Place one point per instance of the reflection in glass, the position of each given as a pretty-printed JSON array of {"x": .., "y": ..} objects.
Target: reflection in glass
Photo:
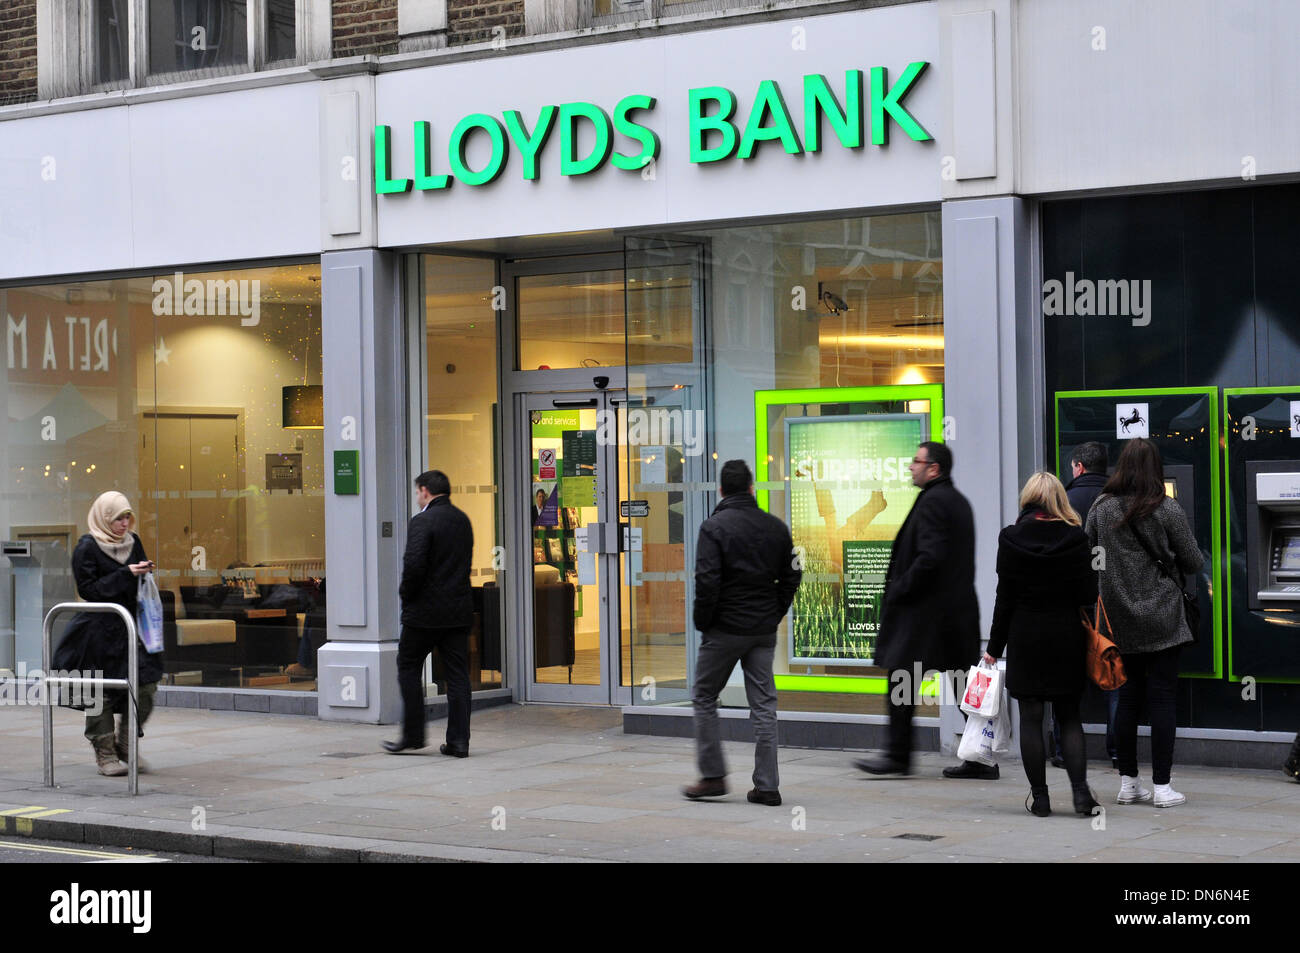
[
  {"x": 170, "y": 390},
  {"x": 197, "y": 34},
  {"x": 460, "y": 341}
]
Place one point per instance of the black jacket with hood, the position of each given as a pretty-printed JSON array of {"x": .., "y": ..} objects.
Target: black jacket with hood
[
  {"x": 745, "y": 575},
  {"x": 1044, "y": 576}
]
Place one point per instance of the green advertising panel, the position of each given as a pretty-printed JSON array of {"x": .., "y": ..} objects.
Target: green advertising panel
[
  {"x": 850, "y": 490},
  {"x": 1261, "y": 427},
  {"x": 1183, "y": 423},
  {"x": 840, "y": 607}
]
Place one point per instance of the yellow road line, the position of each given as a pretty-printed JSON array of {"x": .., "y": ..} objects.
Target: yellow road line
[
  {"x": 21, "y": 810},
  {"x": 73, "y": 851},
  {"x": 49, "y": 813}
]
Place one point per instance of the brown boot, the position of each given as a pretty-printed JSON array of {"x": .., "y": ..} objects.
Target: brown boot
[
  {"x": 106, "y": 757},
  {"x": 120, "y": 747}
]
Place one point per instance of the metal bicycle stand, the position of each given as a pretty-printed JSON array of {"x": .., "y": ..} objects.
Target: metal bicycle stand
[{"x": 130, "y": 683}]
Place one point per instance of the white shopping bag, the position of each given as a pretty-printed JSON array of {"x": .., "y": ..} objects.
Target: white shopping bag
[
  {"x": 983, "y": 691},
  {"x": 149, "y": 614},
  {"x": 977, "y": 741},
  {"x": 1002, "y": 727}
]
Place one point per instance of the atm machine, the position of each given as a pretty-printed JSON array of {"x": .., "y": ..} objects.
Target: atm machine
[{"x": 1273, "y": 534}]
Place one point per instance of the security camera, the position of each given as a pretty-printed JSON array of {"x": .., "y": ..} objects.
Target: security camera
[{"x": 601, "y": 382}]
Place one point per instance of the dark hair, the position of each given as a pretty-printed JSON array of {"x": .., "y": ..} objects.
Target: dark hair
[
  {"x": 435, "y": 482},
  {"x": 1139, "y": 477},
  {"x": 735, "y": 477},
  {"x": 940, "y": 454},
  {"x": 1092, "y": 456}
]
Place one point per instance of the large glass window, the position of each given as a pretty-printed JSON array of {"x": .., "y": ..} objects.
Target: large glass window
[
  {"x": 461, "y": 427},
  {"x": 824, "y": 370},
  {"x": 198, "y": 396}
]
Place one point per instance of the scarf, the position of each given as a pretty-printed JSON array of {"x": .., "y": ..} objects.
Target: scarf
[{"x": 106, "y": 508}]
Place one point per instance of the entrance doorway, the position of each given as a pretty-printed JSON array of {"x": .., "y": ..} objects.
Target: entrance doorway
[
  {"x": 612, "y": 484},
  {"x": 603, "y": 372}
]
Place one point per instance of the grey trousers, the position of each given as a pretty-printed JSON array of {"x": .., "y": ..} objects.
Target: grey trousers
[{"x": 719, "y": 653}]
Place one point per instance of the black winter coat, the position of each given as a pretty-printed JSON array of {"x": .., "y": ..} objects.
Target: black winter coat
[
  {"x": 435, "y": 586},
  {"x": 1083, "y": 492},
  {"x": 97, "y": 641},
  {"x": 930, "y": 613},
  {"x": 745, "y": 575},
  {"x": 1044, "y": 576}
]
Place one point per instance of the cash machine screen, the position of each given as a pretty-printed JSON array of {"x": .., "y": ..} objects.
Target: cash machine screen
[{"x": 1289, "y": 551}]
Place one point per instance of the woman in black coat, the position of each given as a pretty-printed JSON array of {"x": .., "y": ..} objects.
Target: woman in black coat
[
  {"x": 1044, "y": 576},
  {"x": 107, "y": 565}
]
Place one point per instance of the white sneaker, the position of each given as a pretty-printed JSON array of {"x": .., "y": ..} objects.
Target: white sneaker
[
  {"x": 1131, "y": 791},
  {"x": 1166, "y": 796}
]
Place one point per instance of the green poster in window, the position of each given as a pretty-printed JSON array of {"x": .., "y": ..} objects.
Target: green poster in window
[{"x": 850, "y": 490}]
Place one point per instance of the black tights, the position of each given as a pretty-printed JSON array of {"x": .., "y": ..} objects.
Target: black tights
[{"x": 1032, "y": 749}]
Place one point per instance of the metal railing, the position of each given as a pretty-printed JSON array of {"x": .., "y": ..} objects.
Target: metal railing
[{"x": 130, "y": 683}]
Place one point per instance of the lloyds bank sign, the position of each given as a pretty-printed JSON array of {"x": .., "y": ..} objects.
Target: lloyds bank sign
[{"x": 858, "y": 108}]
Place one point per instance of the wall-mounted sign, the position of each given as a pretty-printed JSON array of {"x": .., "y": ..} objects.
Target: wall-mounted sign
[
  {"x": 717, "y": 128},
  {"x": 1131, "y": 421},
  {"x": 634, "y": 509},
  {"x": 347, "y": 472}
]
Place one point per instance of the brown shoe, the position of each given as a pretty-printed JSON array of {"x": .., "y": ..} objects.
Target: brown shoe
[
  {"x": 106, "y": 758},
  {"x": 294, "y": 670},
  {"x": 705, "y": 787}
]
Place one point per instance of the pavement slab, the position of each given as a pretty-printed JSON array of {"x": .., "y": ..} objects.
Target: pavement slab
[{"x": 557, "y": 784}]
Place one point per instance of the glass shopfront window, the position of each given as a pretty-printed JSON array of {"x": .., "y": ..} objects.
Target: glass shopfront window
[
  {"x": 198, "y": 396},
  {"x": 824, "y": 369},
  {"x": 458, "y": 326}
]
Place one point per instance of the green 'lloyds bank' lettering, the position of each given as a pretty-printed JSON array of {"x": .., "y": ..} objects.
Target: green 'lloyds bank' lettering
[{"x": 715, "y": 131}]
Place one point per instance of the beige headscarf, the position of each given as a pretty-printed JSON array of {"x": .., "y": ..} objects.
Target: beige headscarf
[{"x": 106, "y": 508}]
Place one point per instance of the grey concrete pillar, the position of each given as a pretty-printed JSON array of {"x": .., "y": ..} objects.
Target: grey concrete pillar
[
  {"x": 992, "y": 374},
  {"x": 365, "y": 386}
]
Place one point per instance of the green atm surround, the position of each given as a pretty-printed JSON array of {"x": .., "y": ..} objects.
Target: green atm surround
[
  {"x": 881, "y": 399},
  {"x": 1252, "y": 633},
  {"x": 1205, "y": 659}
]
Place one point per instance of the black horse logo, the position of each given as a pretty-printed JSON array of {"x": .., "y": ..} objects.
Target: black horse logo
[
  {"x": 1296, "y": 418},
  {"x": 1135, "y": 418}
]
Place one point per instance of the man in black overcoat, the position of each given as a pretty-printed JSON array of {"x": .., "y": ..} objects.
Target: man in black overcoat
[
  {"x": 929, "y": 614},
  {"x": 437, "y": 613}
]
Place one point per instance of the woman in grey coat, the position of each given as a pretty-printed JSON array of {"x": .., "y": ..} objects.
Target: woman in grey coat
[{"x": 1145, "y": 608}]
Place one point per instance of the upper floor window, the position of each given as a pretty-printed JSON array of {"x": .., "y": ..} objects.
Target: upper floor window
[{"x": 139, "y": 42}]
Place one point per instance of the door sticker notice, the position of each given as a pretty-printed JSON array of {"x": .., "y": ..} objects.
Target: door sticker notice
[
  {"x": 1294, "y": 418},
  {"x": 1131, "y": 421},
  {"x": 546, "y": 463}
]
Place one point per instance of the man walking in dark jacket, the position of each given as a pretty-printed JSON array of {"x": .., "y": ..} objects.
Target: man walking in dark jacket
[
  {"x": 929, "y": 614},
  {"x": 745, "y": 579},
  {"x": 437, "y": 613}
]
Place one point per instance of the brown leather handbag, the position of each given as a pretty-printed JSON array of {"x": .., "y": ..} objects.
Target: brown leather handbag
[{"x": 1105, "y": 667}]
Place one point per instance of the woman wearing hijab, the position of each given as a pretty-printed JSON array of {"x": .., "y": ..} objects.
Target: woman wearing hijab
[
  {"x": 107, "y": 565},
  {"x": 1044, "y": 576}
]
